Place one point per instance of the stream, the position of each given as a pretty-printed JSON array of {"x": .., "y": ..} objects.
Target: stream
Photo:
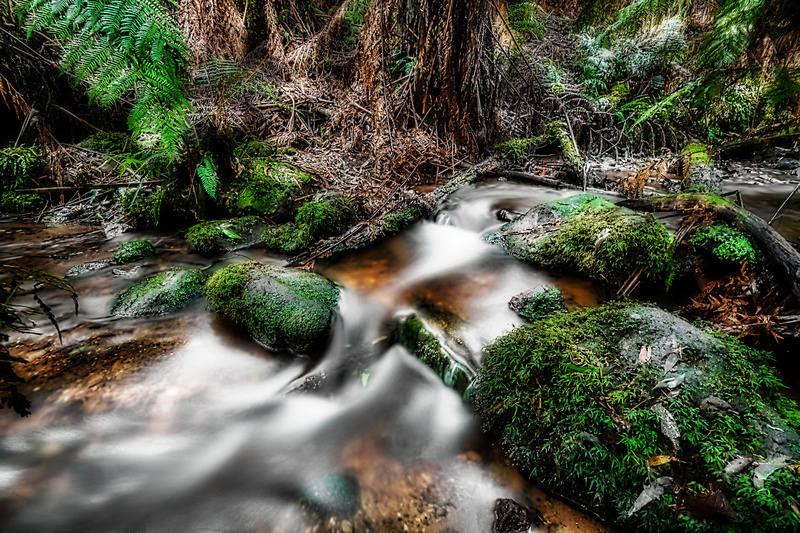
[{"x": 193, "y": 427}]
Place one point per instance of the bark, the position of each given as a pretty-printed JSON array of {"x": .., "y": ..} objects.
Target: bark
[
  {"x": 213, "y": 29},
  {"x": 780, "y": 254}
]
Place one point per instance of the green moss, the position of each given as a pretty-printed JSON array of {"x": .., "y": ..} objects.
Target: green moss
[
  {"x": 417, "y": 339},
  {"x": 270, "y": 188},
  {"x": 394, "y": 222},
  {"x": 281, "y": 308},
  {"x": 609, "y": 244},
  {"x": 216, "y": 236},
  {"x": 324, "y": 217},
  {"x": 696, "y": 154},
  {"x": 555, "y": 134},
  {"x": 315, "y": 220},
  {"x": 12, "y": 202},
  {"x": 133, "y": 251},
  {"x": 286, "y": 239},
  {"x": 725, "y": 243},
  {"x": 572, "y": 401},
  {"x": 162, "y": 293},
  {"x": 538, "y": 303},
  {"x": 163, "y": 207},
  {"x": 518, "y": 148},
  {"x": 110, "y": 142}
]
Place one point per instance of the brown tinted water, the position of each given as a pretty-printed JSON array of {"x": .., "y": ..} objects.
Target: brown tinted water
[{"x": 181, "y": 423}]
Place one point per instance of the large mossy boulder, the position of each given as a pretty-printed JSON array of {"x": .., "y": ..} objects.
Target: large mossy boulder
[
  {"x": 160, "y": 294},
  {"x": 588, "y": 235},
  {"x": 217, "y": 236},
  {"x": 647, "y": 420},
  {"x": 283, "y": 309},
  {"x": 270, "y": 188}
]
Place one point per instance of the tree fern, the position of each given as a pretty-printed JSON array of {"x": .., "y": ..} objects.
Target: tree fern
[{"x": 119, "y": 47}]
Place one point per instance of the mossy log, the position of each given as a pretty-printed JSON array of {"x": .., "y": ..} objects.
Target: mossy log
[{"x": 779, "y": 253}]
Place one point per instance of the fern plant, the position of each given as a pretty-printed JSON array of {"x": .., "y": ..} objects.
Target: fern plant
[
  {"x": 207, "y": 172},
  {"x": 120, "y": 47}
]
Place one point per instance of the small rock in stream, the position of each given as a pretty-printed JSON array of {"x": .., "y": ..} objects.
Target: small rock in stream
[
  {"x": 335, "y": 495},
  {"x": 511, "y": 517}
]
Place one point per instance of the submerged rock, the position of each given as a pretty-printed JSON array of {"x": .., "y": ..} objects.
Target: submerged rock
[
  {"x": 160, "y": 294},
  {"x": 217, "y": 236},
  {"x": 588, "y": 235},
  {"x": 538, "y": 303},
  {"x": 133, "y": 251},
  {"x": 283, "y": 309},
  {"x": 335, "y": 495},
  {"x": 83, "y": 268},
  {"x": 600, "y": 402},
  {"x": 420, "y": 341}
]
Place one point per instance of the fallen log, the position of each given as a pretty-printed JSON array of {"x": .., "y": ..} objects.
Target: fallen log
[{"x": 778, "y": 251}]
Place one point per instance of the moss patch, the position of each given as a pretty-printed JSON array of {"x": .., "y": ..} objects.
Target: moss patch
[
  {"x": 590, "y": 236},
  {"x": 724, "y": 243},
  {"x": 160, "y": 294},
  {"x": 393, "y": 223},
  {"x": 217, "y": 236},
  {"x": 133, "y": 251},
  {"x": 538, "y": 303},
  {"x": 575, "y": 396},
  {"x": 555, "y": 134},
  {"x": 270, "y": 188},
  {"x": 281, "y": 308},
  {"x": 317, "y": 219},
  {"x": 423, "y": 344}
]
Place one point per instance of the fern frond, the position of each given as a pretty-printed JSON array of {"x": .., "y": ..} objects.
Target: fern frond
[{"x": 118, "y": 46}]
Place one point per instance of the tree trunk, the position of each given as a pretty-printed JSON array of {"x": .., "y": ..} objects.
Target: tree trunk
[{"x": 213, "y": 29}]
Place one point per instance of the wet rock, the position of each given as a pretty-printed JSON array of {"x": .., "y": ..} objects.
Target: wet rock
[
  {"x": 787, "y": 164},
  {"x": 283, "y": 309},
  {"x": 91, "y": 266},
  {"x": 336, "y": 495},
  {"x": 270, "y": 188},
  {"x": 661, "y": 399},
  {"x": 511, "y": 517},
  {"x": 538, "y": 303},
  {"x": 324, "y": 216},
  {"x": 133, "y": 251},
  {"x": 160, "y": 294},
  {"x": 696, "y": 167},
  {"x": 217, "y": 236},
  {"x": 421, "y": 341},
  {"x": 588, "y": 235}
]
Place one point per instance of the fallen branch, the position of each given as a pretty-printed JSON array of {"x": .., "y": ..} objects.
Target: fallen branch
[
  {"x": 779, "y": 252},
  {"x": 48, "y": 190}
]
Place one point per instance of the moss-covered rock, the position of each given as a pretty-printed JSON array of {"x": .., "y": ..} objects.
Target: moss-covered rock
[
  {"x": 394, "y": 222},
  {"x": 723, "y": 243},
  {"x": 217, "y": 236},
  {"x": 270, "y": 188},
  {"x": 281, "y": 308},
  {"x": 601, "y": 403},
  {"x": 588, "y": 235},
  {"x": 420, "y": 341},
  {"x": 160, "y": 294},
  {"x": 538, "y": 303},
  {"x": 696, "y": 163},
  {"x": 133, "y": 251},
  {"x": 322, "y": 217},
  {"x": 555, "y": 135},
  {"x": 164, "y": 206}
]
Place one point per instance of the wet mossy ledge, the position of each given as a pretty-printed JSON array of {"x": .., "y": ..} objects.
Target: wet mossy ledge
[
  {"x": 588, "y": 235},
  {"x": 416, "y": 337},
  {"x": 215, "y": 236},
  {"x": 160, "y": 294},
  {"x": 282, "y": 309},
  {"x": 321, "y": 217},
  {"x": 650, "y": 421},
  {"x": 129, "y": 252}
]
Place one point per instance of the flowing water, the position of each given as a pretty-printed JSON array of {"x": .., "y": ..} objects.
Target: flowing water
[{"x": 182, "y": 424}]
